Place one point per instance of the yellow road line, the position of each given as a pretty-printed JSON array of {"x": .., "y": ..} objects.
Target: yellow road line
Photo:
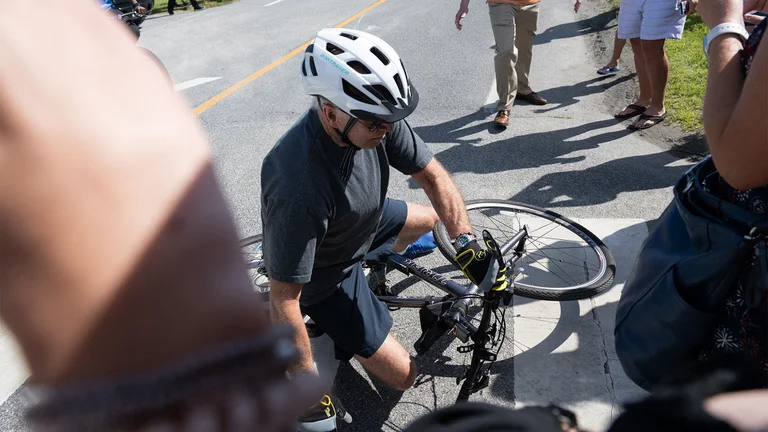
[{"x": 219, "y": 97}]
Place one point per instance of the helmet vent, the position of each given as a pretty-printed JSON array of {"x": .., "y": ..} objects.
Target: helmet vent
[
  {"x": 377, "y": 52},
  {"x": 355, "y": 93},
  {"x": 304, "y": 68},
  {"x": 348, "y": 36},
  {"x": 382, "y": 92},
  {"x": 333, "y": 49},
  {"x": 358, "y": 67},
  {"x": 399, "y": 83},
  {"x": 312, "y": 66}
]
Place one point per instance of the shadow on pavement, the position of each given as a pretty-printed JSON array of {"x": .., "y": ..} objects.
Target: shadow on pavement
[
  {"x": 606, "y": 181},
  {"x": 567, "y": 95},
  {"x": 523, "y": 151},
  {"x": 586, "y": 26}
]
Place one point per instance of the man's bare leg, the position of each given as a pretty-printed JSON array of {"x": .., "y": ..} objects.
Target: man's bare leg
[
  {"x": 392, "y": 364},
  {"x": 421, "y": 220}
]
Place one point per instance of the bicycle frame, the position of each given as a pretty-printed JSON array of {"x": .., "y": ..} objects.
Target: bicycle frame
[
  {"x": 463, "y": 329},
  {"x": 454, "y": 289}
]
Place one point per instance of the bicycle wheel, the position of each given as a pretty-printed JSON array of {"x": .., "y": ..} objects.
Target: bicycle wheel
[
  {"x": 562, "y": 260},
  {"x": 257, "y": 273}
]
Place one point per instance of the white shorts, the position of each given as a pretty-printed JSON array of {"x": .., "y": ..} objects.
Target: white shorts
[{"x": 650, "y": 20}]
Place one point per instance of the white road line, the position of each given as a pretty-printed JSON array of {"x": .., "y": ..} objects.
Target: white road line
[
  {"x": 194, "y": 83},
  {"x": 274, "y": 2}
]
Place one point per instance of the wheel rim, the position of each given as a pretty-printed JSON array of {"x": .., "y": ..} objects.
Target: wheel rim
[
  {"x": 558, "y": 256},
  {"x": 254, "y": 261}
]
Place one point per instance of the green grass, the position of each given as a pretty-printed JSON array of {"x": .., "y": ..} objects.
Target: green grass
[
  {"x": 161, "y": 6},
  {"x": 687, "y": 75}
]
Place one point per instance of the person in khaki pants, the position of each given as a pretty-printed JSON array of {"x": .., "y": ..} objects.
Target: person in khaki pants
[{"x": 514, "y": 24}]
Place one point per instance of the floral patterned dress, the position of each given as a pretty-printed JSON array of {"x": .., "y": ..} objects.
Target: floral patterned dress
[{"x": 739, "y": 328}]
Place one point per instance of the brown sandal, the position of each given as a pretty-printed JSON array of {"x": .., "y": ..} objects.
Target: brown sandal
[
  {"x": 654, "y": 120},
  {"x": 636, "y": 110}
]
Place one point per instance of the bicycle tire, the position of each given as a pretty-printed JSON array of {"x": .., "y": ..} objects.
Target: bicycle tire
[
  {"x": 260, "y": 281},
  {"x": 590, "y": 288}
]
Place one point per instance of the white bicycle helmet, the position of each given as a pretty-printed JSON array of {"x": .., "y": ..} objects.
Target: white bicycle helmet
[{"x": 359, "y": 73}]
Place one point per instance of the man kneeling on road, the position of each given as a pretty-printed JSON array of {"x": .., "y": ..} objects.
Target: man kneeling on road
[{"x": 325, "y": 210}]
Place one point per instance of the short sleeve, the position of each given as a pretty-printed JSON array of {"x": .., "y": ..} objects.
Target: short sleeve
[
  {"x": 406, "y": 151},
  {"x": 292, "y": 233}
]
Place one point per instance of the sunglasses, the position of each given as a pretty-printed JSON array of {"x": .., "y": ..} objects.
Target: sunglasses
[{"x": 372, "y": 126}]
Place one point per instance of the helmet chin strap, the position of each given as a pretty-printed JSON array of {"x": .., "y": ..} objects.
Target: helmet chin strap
[{"x": 343, "y": 135}]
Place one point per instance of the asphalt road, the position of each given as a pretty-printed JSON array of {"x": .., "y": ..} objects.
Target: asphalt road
[{"x": 570, "y": 155}]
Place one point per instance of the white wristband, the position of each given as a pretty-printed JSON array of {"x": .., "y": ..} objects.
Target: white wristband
[{"x": 722, "y": 29}]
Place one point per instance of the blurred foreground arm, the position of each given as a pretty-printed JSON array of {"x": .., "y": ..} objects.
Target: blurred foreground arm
[
  {"x": 118, "y": 253},
  {"x": 735, "y": 109}
]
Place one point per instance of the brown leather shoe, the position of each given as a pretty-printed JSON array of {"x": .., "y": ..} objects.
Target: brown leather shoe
[
  {"x": 533, "y": 98},
  {"x": 502, "y": 118}
]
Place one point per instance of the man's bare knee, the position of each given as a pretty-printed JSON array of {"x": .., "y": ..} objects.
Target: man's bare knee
[
  {"x": 392, "y": 364},
  {"x": 408, "y": 382},
  {"x": 421, "y": 217}
]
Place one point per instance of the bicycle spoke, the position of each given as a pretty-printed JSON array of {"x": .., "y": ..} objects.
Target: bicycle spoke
[
  {"x": 477, "y": 226},
  {"x": 579, "y": 265},
  {"x": 512, "y": 228},
  {"x": 555, "y": 263},
  {"x": 494, "y": 222},
  {"x": 564, "y": 253},
  {"x": 544, "y": 226},
  {"x": 543, "y": 267},
  {"x": 573, "y": 247},
  {"x": 571, "y": 240},
  {"x": 553, "y": 228}
]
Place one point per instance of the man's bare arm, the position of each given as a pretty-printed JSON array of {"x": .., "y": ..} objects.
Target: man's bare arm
[
  {"x": 284, "y": 307},
  {"x": 445, "y": 197}
]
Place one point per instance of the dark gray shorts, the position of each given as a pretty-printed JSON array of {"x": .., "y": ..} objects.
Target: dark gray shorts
[{"x": 356, "y": 321}]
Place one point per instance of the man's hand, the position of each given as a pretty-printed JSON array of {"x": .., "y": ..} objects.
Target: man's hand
[
  {"x": 463, "y": 11},
  {"x": 323, "y": 416},
  {"x": 479, "y": 265},
  {"x": 138, "y": 8}
]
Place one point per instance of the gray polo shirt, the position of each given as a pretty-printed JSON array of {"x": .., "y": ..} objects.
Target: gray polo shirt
[{"x": 321, "y": 203}]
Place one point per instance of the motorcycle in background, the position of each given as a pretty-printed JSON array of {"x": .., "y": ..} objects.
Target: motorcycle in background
[
  {"x": 133, "y": 19},
  {"x": 124, "y": 11}
]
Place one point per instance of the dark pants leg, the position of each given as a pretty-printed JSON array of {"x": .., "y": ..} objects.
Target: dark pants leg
[{"x": 172, "y": 4}]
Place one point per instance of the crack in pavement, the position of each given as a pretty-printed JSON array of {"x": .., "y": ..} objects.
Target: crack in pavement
[
  {"x": 434, "y": 395},
  {"x": 609, "y": 384}
]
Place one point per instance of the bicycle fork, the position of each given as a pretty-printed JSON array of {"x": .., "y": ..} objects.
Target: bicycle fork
[{"x": 476, "y": 379}]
